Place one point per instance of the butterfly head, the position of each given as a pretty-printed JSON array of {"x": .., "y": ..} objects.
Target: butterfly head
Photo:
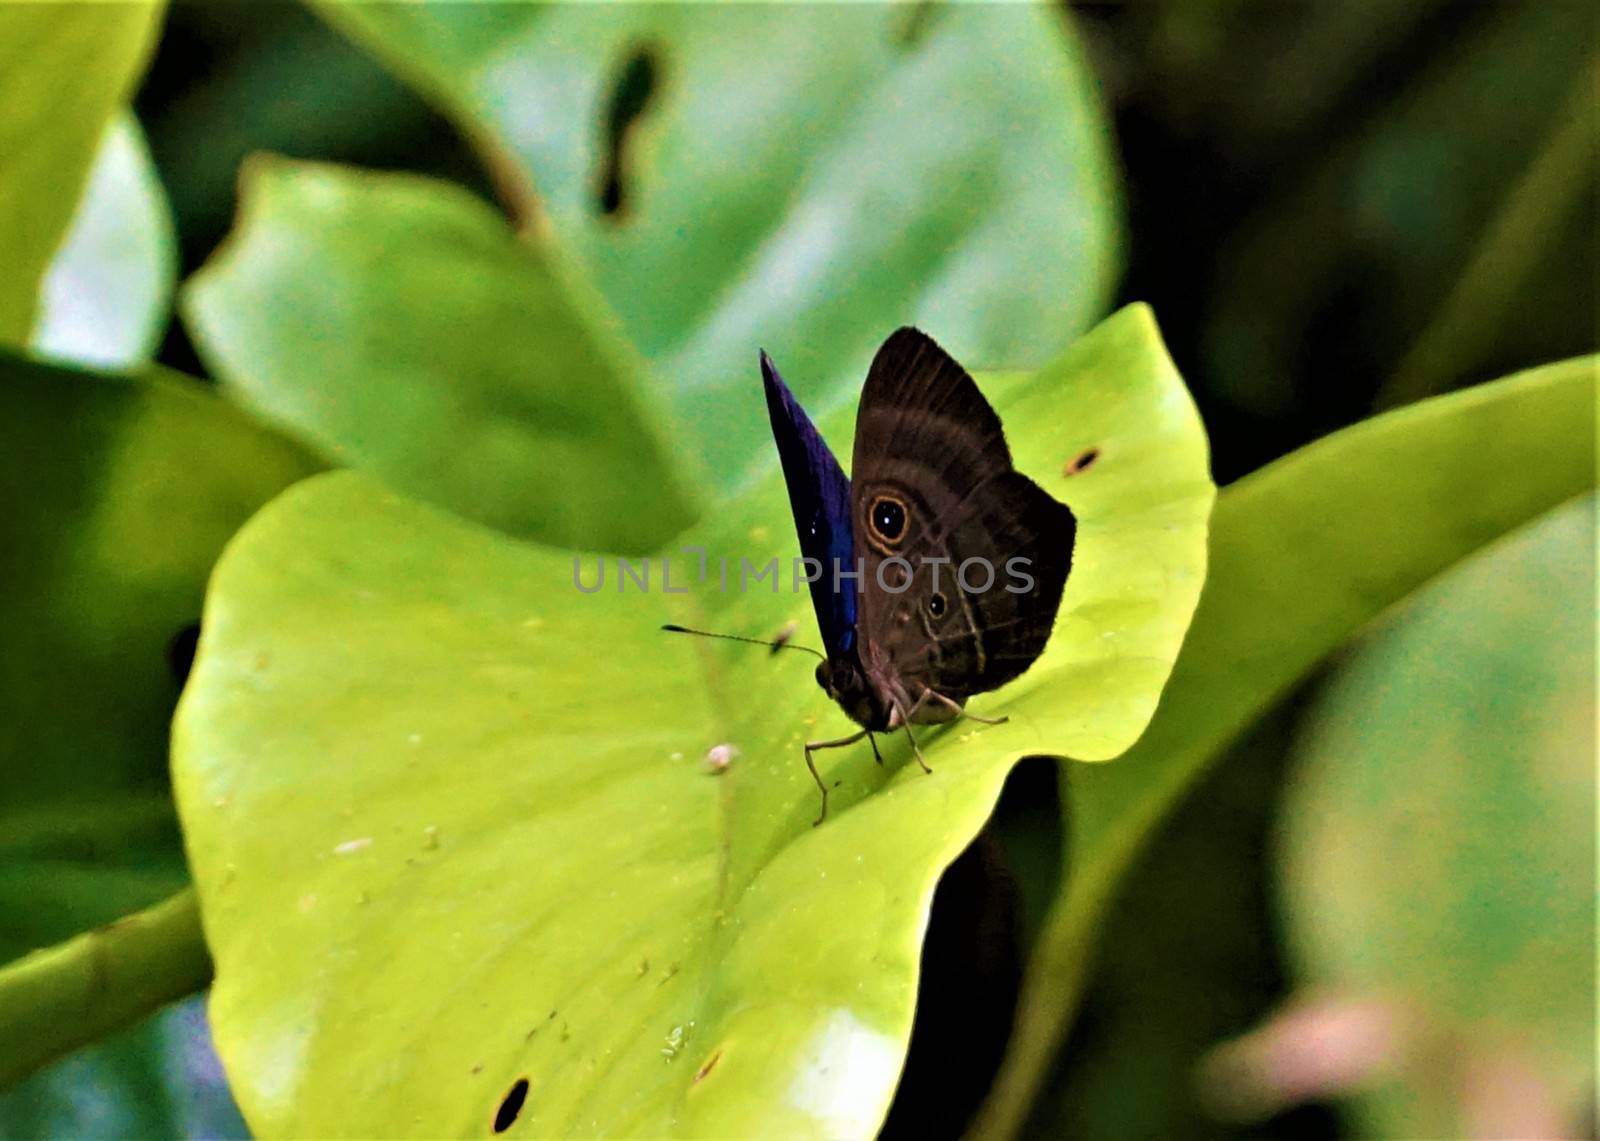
[{"x": 842, "y": 679}]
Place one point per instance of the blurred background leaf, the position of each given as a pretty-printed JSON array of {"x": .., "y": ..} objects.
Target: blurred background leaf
[
  {"x": 1303, "y": 553},
  {"x": 118, "y": 494},
  {"x": 396, "y": 324},
  {"x": 1369, "y": 241},
  {"x": 1308, "y": 186},
  {"x": 1457, "y": 743},
  {"x": 106, "y": 298},
  {"x": 803, "y": 177},
  {"x": 1188, "y": 955},
  {"x": 65, "y": 70}
]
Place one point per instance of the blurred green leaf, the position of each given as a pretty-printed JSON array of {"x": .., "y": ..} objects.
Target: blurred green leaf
[
  {"x": 801, "y": 176},
  {"x": 1458, "y": 743},
  {"x": 65, "y": 70},
  {"x": 1385, "y": 221},
  {"x": 395, "y": 322},
  {"x": 159, "y": 1079},
  {"x": 1193, "y": 959},
  {"x": 117, "y": 493},
  {"x": 1525, "y": 233},
  {"x": 1303, "y": 554},
  {"x": 451, "y": 827},
  {"x": 105, "y": 299}
]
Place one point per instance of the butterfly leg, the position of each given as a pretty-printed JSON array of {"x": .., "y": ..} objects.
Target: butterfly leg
[
  {"x": 916, "y": 750},
  {"x": 873, "y": 741},
  {"x": 905, "y": 723},
  {"x": 961, "y": 712},
  {"x": 816, "y": 776}
]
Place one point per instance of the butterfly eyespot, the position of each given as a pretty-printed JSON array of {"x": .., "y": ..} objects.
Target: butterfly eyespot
[
  {"x": 936, "y": 605},
  {"x": 887, "y": 517}
]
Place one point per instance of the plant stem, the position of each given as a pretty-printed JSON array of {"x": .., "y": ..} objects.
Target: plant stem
[{"x": 60, "y": 998}]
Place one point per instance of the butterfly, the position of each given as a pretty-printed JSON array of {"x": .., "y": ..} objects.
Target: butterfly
[{"x": 937, "y": 573}]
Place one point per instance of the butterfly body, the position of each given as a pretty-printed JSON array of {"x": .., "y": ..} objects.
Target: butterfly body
[
  {"x": 873, "y": 696},
  {"x": 909, "y": 633}
]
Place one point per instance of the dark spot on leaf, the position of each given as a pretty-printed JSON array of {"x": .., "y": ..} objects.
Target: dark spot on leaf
[
  {"x": 511, "y": 1106},
  {"x": 1081, "y": 461},
  {"x": 912, "y": 23},
  {"x": 630, "y": 98},
  {"x": 706, "y": 1066},
  {"x": 180, "y": 651}
]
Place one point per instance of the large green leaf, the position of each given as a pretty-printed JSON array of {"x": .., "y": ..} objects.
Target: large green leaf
[
  {"x": 64, "y": 71},
  {"x": 1303, "y": 554},
  {"x": 803, "y": 176},
  {"x": 1459, "y": 744},
  {"x": 105, "y": 299},
  {"x": 116, "y": 496},
  {"x": 396, "y": 323},
  {"x": 451, "y": 828}
]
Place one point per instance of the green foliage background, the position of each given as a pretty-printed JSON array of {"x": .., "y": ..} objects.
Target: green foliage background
[{"x": 512, "y": 262}]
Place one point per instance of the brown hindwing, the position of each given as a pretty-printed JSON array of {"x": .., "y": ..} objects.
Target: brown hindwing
[{"x": 930, "y": 454}]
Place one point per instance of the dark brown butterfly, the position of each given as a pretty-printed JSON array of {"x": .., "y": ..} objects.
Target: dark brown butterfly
[{"x": 940, "y": 569}]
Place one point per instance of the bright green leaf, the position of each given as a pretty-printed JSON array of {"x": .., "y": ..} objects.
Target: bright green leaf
[
  {"x": 116, "y": 496},
  {"x": 800, "y": 176},
  {"x": 104, "y": 301},
  {"x": 1458, "y": 743},
  {"x": 1303, "y": 554},
  {"x": 394, "y": 322},
  {"x": 451, "y": 827},
  {"x": 65, "y": 69}
]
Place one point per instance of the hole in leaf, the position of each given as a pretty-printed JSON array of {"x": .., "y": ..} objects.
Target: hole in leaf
[
  {"x": 180, "y": 651},
  {"x": 630, "y": 98},
  {"x": 511, "y": 1106},
  {"x": 1081, "y": 461}
]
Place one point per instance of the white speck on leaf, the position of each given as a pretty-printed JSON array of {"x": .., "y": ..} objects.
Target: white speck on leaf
[{"x": 719, "y": 757}]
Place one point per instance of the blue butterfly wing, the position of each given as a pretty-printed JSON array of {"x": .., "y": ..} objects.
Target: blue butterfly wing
[{"x": 819, "y": 496}]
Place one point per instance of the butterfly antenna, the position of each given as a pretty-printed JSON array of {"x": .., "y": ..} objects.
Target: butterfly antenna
[{"x": 774, "y": 646}]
